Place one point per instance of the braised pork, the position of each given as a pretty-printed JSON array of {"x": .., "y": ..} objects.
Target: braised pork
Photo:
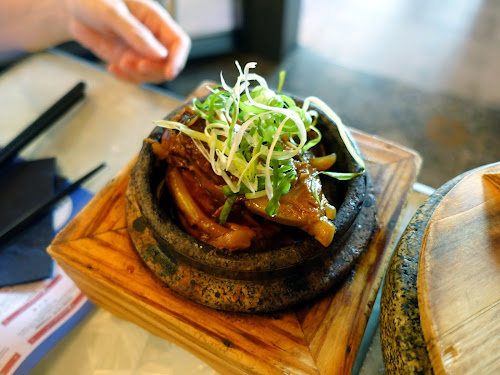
[{"x": 199, "y": 197}]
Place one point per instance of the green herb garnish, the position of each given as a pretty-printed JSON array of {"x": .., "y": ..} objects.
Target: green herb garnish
[{"x": 251, "y": 135}]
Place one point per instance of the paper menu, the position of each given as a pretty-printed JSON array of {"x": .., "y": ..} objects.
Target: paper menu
[{"x": 33, "y": 317}]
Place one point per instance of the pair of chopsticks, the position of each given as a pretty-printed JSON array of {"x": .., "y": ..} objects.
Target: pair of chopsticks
[
  {"x": 41, "y": 124},
  {"x": 43, "y": 207}
]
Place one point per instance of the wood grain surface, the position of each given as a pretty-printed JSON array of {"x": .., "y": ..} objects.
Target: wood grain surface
[
  {"x": 322, "y": 337},
  {"x": 459, "y": 278}
]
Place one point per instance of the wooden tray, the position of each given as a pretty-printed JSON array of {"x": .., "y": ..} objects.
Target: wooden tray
[
  {"x": 321, "y": 338},
  {"x": 459, "y": 277}
]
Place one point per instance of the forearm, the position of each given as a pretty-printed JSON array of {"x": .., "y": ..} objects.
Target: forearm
[
  {"x": 138, "y": 39},
  {"x": 31, "y": 25}
]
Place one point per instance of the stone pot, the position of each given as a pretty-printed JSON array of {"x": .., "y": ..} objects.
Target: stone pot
[{"x": 266, "y": 280}]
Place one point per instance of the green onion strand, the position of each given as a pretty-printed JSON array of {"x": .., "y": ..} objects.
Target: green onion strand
[{"x": 245, "y": 133}]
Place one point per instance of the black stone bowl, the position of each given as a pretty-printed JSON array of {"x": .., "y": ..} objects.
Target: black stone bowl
[{"x": 160, "y": 216}]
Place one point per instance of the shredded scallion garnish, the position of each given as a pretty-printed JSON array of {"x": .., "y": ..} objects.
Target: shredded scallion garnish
[{"x": 244, "y": 137}]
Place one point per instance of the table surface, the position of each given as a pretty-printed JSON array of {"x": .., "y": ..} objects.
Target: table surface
[{"x": 99, "y": 130}]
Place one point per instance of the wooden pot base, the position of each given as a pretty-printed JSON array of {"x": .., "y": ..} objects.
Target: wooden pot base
[{"x": 321, "y": 337}]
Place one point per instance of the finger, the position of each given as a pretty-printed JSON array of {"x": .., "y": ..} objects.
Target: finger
[
  {"x": 147, "y": 66},
  {"x": 153, "y": 70},
  {"x": 118, "y": 72},
  {"x": 148, "y": 70},
  {"x": 177, "y": 42},
  {"x": 125, "y": 64},
  {"x": 141, "y": 69},
  {"x": 158, "y": 20},
  {"x": 106, "y": 48},
  {"x": 177, "y": 58},
  {"x": 167, "y": 31},
  {"x": 135, "y": 33}
]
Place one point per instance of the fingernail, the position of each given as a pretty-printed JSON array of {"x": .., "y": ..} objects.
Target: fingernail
[
  {"x": 162, "y": 51},
  {"x": 158, "y": 48},
  {"x": 174, "y": 71}
]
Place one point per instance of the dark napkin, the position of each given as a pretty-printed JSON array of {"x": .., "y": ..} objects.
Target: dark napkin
[{"x": 23, "y": 184}]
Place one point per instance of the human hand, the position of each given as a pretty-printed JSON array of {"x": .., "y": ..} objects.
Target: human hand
[{"x": 137, "y": 38}]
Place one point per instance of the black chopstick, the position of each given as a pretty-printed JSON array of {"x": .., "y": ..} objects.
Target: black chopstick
[
  {"x": 44, "y": 206},
  {"x": 43, "y": 122}
]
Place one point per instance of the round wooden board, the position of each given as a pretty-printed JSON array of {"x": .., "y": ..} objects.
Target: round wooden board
[
  {"x": 459, "y": 277},
  {"x": 402, "y": 340}
]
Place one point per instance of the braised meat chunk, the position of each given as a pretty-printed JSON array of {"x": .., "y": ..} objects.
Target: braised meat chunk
[
  {"x": 300, "y": 207},
  {"x": 199, "y": 197}
]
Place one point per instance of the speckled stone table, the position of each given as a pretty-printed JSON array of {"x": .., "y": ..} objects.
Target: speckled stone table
[{"x": 403, "y": 345}]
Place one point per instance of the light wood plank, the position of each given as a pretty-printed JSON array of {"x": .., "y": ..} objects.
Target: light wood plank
[{"x": 459, "y": 278}]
